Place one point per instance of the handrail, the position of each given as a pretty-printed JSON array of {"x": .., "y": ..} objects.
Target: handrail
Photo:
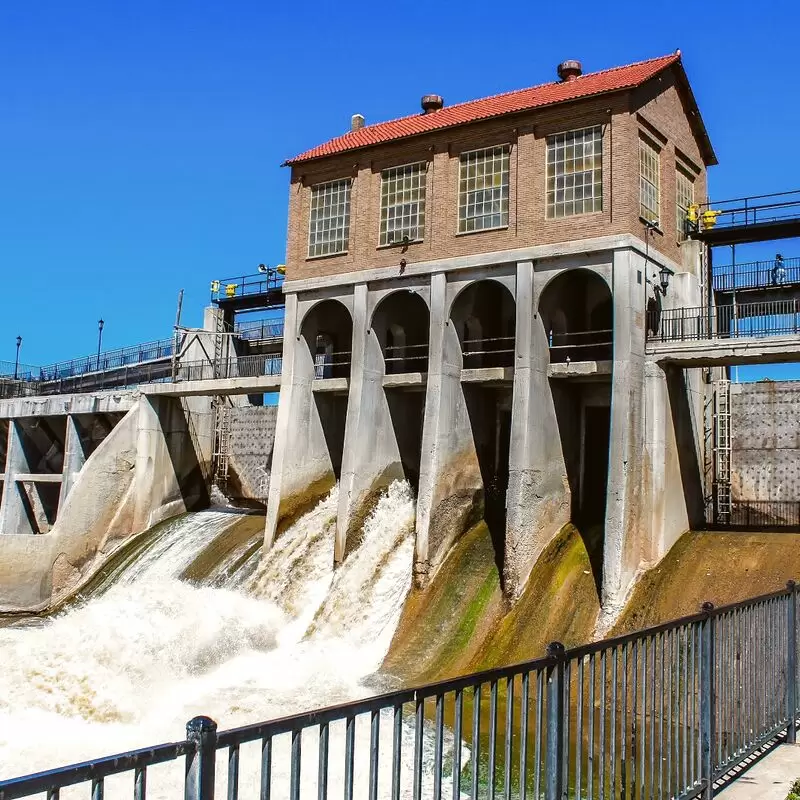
[
  {"x": 665, "y": 691},
  {"x": 732, "y": 321}
]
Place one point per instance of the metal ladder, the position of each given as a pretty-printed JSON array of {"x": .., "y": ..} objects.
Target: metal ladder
[
  {"x": 722, "y": 452},
  {"x": 219, "y": 343},
  {"x": 222, "y": 441}
]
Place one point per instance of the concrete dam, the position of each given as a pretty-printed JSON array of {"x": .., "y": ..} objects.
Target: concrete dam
[{"x": 482, "y": 407}]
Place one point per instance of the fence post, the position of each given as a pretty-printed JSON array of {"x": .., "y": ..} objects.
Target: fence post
[
  {"x": 707, "y": 702},
  {"x": 554, "y": 761},
  {"x": 791, "y": 664},
  {"x": 201, "y": 760}
]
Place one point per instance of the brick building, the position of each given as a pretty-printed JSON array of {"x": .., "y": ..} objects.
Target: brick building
[{"x": 466, "y": 292}]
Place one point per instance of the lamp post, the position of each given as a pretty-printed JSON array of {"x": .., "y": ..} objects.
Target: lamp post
[
  {"x": 16, "y": 362},
  {"x": 100, "y": 324}
]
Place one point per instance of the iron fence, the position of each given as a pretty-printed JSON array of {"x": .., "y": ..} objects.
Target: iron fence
[
  {"x": 332, "y": 364},
  {"x": 253, "y": 366},
  {"x": 595, "y": 345},
  {"x": 756, "y": 275},
  {"x": 260, "y": 329},
  {"x": 747, "y": 211},
  {"x": 739, "y": 320},
  {"x": 760, "y": 514},
  {"x": 666, "y": 712},
  {"x": 495, "y": 351},
  {"x": 406, "y": 358},
  {"x": 243, "y": 285}
]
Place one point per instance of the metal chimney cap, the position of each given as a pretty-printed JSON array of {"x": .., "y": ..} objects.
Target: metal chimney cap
[
  {"x": 569, "y": 70},
  {"x": 357, "y": 122},
  {"x": 432, "y": 102}
]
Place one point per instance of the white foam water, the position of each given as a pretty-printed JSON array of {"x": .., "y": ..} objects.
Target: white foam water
[{"x": 128, "y": 668}]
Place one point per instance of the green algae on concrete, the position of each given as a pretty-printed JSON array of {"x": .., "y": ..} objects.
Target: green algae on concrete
[
  {"x": 559, "y": 602},
  {"x": 442, "y": 624},
  {"x": 461, "y": 622}
]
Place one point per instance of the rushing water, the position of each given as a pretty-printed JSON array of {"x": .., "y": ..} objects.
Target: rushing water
[{"x": 148, "y": 648}]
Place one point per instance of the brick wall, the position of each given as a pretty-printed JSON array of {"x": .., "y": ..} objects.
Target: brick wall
[{"x": 656, "y": 107}]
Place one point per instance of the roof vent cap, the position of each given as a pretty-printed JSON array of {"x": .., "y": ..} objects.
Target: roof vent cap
[
  {"x": 569, "y": 70},
  {"x": 356, "y": 122},
  {"x": 432, "y": 102}
]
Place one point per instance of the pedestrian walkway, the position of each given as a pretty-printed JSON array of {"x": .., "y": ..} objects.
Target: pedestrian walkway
[{"x": 768, "y": 779}]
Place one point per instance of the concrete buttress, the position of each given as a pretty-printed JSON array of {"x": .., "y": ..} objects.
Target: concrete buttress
[
  {"x": 538, "y": 498},
  {"x": 450, "y": 476}
]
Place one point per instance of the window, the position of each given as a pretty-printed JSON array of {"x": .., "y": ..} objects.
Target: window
[
  {"x": 329, "y": 222},
  {"x": 575, "y": 172},
  {"x": 483, "y": 189},
  {"x": 684, "y": 197},
  {"x": 649, "y": 181},
  {"x": 403, "y": 203}
]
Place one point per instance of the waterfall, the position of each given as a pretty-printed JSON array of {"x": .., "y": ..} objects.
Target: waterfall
[{"x": 132, "y": 662}]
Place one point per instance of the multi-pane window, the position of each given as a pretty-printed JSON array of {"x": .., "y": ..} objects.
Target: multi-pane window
[
  {"x": 483, "y": 189},
  {"x": 684, "y": 196},
  {"x": 403, "y": 203},
  {"x": 575, "y": 172},
  {"x": 329, "y": 222},
  {"x": 649, "y": 181}
]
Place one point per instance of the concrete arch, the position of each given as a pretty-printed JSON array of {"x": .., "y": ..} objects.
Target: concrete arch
[
  {"x": 401, "y": 325},
  {"x": 311, "y": 309},
  {"x": 577, "y": 314},
  {"x": 471, "y": 284},
  {"x": 483, "y": 315},
  {"x": 555, "y": 275},
  {"x": 327, "y": 329}
]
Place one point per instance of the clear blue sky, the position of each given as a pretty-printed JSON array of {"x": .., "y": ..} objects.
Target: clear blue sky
[{"x": 141, "y": 142}]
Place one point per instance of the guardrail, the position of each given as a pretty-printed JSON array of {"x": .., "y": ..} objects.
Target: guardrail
[
  {"x": 244, "y": 285},
  {"x": 666, "y": 712},
  {"x": 497, "y": 351},
  {"x": 741, "y": 320},
  {"x": 748, "y": 211},
  {"x": 756, "y": 275},
  {"x": 258, "y": 330},
  {"x": 241, "y": 367},
  {"x": 761, "y": 514},
  {"x": 597, "y": 345}
]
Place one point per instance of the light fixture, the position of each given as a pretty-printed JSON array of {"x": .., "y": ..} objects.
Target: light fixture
[{"x": 664, "y": 274}]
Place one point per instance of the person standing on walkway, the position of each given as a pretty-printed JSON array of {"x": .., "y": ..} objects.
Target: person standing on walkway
[{"x": 778, "y": 271}]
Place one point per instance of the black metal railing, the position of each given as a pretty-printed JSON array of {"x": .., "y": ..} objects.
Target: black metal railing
[
  {"x": 245, "y": 285},
  {"x": 756, "y": 210},
  {"x": 760, "y": 514},
  {"x": 662, "y": 713},
  {"x": 741, "y": 320},
  {"x": 597, "y": 345},
  {"x": 254, "y": 366},
  {"x": 756, "y": 275},
  {"x": 259, "y": 330},
  {"x": 406, "y": 358},
  {"x": 497, "y": 351},
  {"x": 335, "y": 364}
]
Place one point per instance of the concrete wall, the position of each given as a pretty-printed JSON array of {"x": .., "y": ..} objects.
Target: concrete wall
[
  {"x": 765, "y": 456},
  {"x": 654, "y": 483},
  {"x": 252, "y": 438},
  {"x": 153, "y": 465}
]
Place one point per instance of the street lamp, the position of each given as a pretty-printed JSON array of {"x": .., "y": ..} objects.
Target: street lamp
[
  {"x": 664, "y": 274},
  {"x": 16, "y": 363},
  {"x": 100, "y": 324}
]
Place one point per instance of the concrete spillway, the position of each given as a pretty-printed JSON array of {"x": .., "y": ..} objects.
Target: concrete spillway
[{"x": 191, "y": 621}]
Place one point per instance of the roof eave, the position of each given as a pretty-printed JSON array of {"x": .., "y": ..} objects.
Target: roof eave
[
  {"x": 295, "y": 161},
  {"x": 696, "y": 118}
]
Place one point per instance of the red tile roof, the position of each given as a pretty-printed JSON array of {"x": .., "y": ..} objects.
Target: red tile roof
[{"x": 595, "y": 83}]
